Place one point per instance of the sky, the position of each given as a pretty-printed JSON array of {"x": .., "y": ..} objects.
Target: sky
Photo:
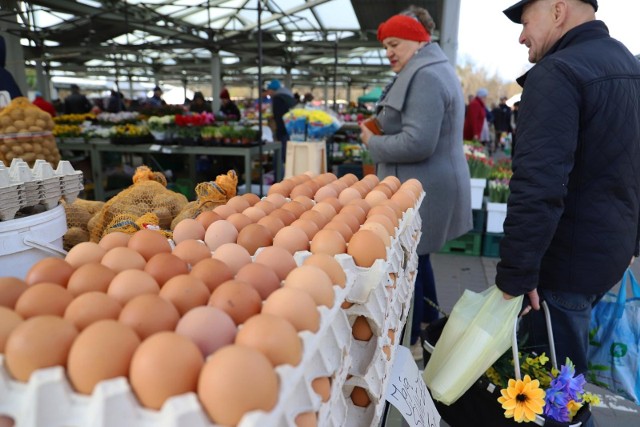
[{"x": 489, "y": 40}]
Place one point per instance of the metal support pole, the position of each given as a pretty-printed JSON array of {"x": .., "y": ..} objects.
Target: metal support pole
[{"x": 449, "y": 31}]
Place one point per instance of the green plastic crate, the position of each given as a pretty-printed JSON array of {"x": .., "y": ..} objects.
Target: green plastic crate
[
  {"x": 491, "y": 244},
  {"x": 479, "y": 219},
  {"x": 468, "y": 244}
]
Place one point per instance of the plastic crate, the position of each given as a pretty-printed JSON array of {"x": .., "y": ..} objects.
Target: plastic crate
[
  {"x": 491, "y": 244},
  {"x": 468, "y": 244},
  {"x": 479, "y": 218}
]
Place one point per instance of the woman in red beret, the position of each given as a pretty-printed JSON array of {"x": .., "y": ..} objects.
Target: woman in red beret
[{"x": 421, "y": 114}]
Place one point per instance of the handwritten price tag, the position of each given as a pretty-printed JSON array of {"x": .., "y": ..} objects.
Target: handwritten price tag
[{"x": 408, "y": 392}]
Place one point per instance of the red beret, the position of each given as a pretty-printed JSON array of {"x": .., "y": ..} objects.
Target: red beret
[{"x": 403, "y": 27}]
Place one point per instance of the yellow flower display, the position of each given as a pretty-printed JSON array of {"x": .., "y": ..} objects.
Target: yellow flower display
[{"x": 522, "y": 399}]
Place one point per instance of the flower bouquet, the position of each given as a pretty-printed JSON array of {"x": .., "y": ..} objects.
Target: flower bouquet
[
  {"x": 310, "y": 124},
  {"x": 480, "y": 165},
  {"x": 499, "y": 190},
  {"x": 130, "y": 134},
  {"x": 159, "y": 125}
]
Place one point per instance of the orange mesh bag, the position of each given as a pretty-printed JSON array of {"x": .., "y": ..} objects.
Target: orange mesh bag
[
  {"x": 26, "y": 133},
  {"x": 209, "y": 195},
  {"x": 127, "y": 223},
  {"x": 79, "y": 215},
  {"x": 148, "y": 194}
]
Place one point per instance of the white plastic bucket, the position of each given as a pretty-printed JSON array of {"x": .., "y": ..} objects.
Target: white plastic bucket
[{"x": 25, "y": 241}]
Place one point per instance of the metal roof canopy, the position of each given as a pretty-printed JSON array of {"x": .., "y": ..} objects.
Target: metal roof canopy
[{"x": 171, "y": 41}]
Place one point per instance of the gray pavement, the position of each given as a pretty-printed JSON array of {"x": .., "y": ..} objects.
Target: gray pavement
[{"x": 455, "y": 273}]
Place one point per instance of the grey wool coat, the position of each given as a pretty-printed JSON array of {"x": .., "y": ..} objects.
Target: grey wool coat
[{"x": 422, "y": 116}]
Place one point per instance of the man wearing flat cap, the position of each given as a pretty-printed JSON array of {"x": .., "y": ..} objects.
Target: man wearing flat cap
[{"x": 573, "y": 217}]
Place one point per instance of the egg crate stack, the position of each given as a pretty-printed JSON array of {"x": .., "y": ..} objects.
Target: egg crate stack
[
  {"x": 382, "y": 294},
  {"x": 49, "y": 400},
  {"x": 12, "y": 197},
  {"x": 71, "y": 181}
]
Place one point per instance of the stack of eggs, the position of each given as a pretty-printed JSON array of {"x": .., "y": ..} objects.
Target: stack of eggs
[{"x": 240, "y": 293}]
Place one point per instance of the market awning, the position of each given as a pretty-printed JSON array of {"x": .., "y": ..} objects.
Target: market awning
[{"x": 372, "y": 96}]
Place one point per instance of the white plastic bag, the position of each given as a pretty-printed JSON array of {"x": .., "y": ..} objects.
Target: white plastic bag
[{"x": 477, "y": 333}]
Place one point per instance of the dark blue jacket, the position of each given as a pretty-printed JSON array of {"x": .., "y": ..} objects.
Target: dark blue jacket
[
  {"x": 572, "y": 219},
  {"x": 7, "y": 82}
]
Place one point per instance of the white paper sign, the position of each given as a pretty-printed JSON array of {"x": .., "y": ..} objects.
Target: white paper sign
[{"x": 408, "y": 393}]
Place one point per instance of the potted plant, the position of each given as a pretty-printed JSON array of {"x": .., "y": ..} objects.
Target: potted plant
[
  {"x": 158, "y": 126},
  {"x": 368, "y": 167},
  {"x": 480, "y": 166},
  {"x": 498, "y": 196}
]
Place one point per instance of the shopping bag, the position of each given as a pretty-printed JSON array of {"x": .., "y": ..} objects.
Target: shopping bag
[
  {"x": 477, "y": 333},
  {"x": 614, "y": 341}
]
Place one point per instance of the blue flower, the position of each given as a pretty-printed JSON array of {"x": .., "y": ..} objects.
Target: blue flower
[
  {"x": 555, "y": 407},
  {"x": 566, "y": 381}
]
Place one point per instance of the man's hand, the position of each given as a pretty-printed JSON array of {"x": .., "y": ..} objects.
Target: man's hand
[
  {"x": 365, "y": 134},
  {"x": 534, "y": 298}
]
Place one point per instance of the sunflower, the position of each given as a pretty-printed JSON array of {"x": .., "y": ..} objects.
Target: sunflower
[{"x": 522, "y": 399}]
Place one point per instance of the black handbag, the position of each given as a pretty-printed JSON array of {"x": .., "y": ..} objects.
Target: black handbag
[{"x": 479, "y": 405}]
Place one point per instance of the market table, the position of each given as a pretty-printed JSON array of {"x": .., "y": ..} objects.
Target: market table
[{"x": 95, "y": 148}]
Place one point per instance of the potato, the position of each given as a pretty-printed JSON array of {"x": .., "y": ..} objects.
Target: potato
[
  {"x": 34, "y": 128},
  {"x": 4, "y": 148},
  {"x": 29, "y": 158},
  {"x": 17, "y": 150},
  {"x": 30, "y": 120},
  {"x": 16, "y": 114},
  {"x": 40, "y": 123},
  {"x": 5, "y": 121},
  {"x": 11, "y": 129},
  {"x": 37, "y": 148},
  {"x": 20, "y": 124},
  {"x": 27, "y": 147}
]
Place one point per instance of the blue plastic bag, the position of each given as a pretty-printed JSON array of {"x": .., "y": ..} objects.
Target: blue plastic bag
[{"x": 614, "y": 341}]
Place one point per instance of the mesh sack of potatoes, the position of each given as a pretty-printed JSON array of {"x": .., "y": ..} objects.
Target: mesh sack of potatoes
[
  {"x": 79, "y": 215},
  {"x": 209, "y": 195},
  {"x": 26, "y": 133},
  {"x": 148, "y": 194}
]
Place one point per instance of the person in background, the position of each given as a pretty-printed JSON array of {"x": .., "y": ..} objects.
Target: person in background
[
  {"x": 199, "y": 104},
  {"x": 282, "y": 101},
  {"x": 7, "y": 82},
  {"x": 514, "y": 125},
  {"x": 76, "y": 103},
  {"x": 115, "y": 103},
  {"x": 501, "y": 120},
  {"x": 476, "y": 117},
  {"x": 421, "y": 113},
  {"x": 43, "y": 104},
  {"x": 573, "y": 217},
  {"x": 228, "y": 107},
  {"x": 156, "y": 99}
]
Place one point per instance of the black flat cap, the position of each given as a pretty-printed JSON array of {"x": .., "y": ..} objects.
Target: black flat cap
[{"x": 515, "y": 12}]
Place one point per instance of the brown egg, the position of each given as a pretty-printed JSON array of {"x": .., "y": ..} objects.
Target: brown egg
[
  {"x": 239, "y": 221},
  {"x": 148, "y": 314},
  {"x": 330, "y": 266},
  {"x": 386, "y": 211},
  {"x": 278, "y": 188},
  {"x": 361, "y": 329},
  {"x": 254, "y": 213},
  {"x": 309, "y": 227},
  {"x": 234, "y": 255},
  {"x": 278, "y": 200},
  {"x": 224, "y": 211},
  {"x": 294, "y": 305},
  {"x": 361, "y": 188},
  {"x": 39, "y": 342},
  {"x": 119, "y": 259},
  {"x": 326, "y": 209},
  {"x": 212, "y": 272},
  {"x": 314, "y": 281},
  {"x": 238, "y": 299},
  {"x": 302, "y": 190},
  {"x": 328, "y": 242},
  {"x": 90, "y": 277},
  {"x": 251, "y": 198},
  {"x": 306, "y": 201},
  {"x": 219, "y": 233},
  {"x": 163, "y": 267},
  {"x": 404, "y": 198},
  {"x": 385, "y": 188},
  {"x": 9, "y": 320},
  {"x": 261, "y": 277},
  {"x": 206, "y": 218},
  {"x": 375, "y": 197},
  {"x": 10, "y": 290},
  {"x": 164, "y": 365},
  {"x": 265, "y": 206},
  {"x": 349, "y": 178},
  {"x": 277, "y": 258},
  {"x": 296, "y": 208},
  {"x": 115, "y": 239},
  {"x": 362, "y": 204},
  {"x": 188, "y": 228},
  {"x": 322, "y": 386},
  {"x": 274, "y": 337},
  {"x": 43, "y": 298},
  {"x": 128, "y": 284},
  {"x": 340, "y": 227},
  {"x": 292, "y": 239},
  {"x": 100, "y": 352},
  {"x": 348, "y": 218},
  {"x": 380, "y": 230},
  {"x": 148, "y": 243},
  {"x": 359, "y": 395},
  {"x": 91, "y": 307},
  {"x": 365, "y": 247},
  {"x": 384, "y": 221},
  {"x": 272, "y": 223},
  {"x": 238, "y": 203},
  {"x": 236, "y": 380},
  {"x": 356, "y": 211},
  {"x": 392, "y": 181},
  {"x": 334, "y": 202},
  {"x": 287, "y": 217},
  {"x": 395, "y": 206},
  {"x": 306, "y": 419},
  {"x": 254, "y": 236},
  {"x": 315, "y": 216},
  {"x": 85, "y": 253},
  {"x": 339, "y": 186},
  {"x": 348, "y": 194},
  {"x": 185, "y": 292},
  {"x": 371, "y": 180},
  {"x": 325, "y": 192},
  {"x": 208, "y": 327},
  {"x": 192, "y": 251},
  {"x": 51, "y": 270}
]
